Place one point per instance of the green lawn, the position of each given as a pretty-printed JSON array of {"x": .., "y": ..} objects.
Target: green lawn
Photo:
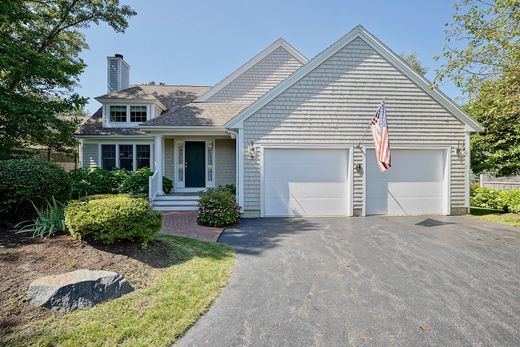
[
  {"x": 497, "y": 216},
  {"x": 154, "y": 316}
]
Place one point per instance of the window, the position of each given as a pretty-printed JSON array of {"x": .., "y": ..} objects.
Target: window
[
  {"x": 210, "y": 162},
  {"x": 117, "y": 113},
  {"x": 180, "y": 161},
  {"x": 138, "y": 114},
  {"x": 143, "y": 156},
  {"x": 126, "y": 157},
  {"x": 108, "y": 156}
]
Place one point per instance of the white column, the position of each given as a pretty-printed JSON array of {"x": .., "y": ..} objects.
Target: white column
[
  {"x": 158, "y": 162},
  {"x": 240, "y": 172}
]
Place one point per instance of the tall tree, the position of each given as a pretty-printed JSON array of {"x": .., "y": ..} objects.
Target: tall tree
[
  {"x": 483, "y": 58},
  {"x": 40, "y": 44},
  {"x": 414, "y": 63}
]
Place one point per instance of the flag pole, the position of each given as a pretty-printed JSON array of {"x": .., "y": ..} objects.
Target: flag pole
[{"x": 368, "y": 127}]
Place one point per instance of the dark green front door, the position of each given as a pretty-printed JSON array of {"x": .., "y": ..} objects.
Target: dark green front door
[{"x": 195, "y": 164}]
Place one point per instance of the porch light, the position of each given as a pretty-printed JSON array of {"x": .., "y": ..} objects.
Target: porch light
[
  {"x": 461, "y": 150},
  {"x": 253, "y": 151}
]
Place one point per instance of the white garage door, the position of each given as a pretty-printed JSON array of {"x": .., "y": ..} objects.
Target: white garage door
[
  {"x": 412, "y": 186},
  {"x": 306, "y": 182}
]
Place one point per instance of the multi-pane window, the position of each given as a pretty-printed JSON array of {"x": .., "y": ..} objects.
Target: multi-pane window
[
  {"x": 138, "y": 114},
  {"x": 210, "y": 161},
  {"x": 108, "y": 156},
  {"x": 117, "y": 113},
  {"x": 180, "y": 162},
  {"x": 142, "y": 156},
  {"x": 126, "y": 157}
]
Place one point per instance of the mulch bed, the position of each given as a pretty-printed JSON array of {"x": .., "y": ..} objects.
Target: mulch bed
[{"x": 23, "y": 259}]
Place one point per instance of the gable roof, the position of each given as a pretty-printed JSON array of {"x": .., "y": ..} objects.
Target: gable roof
[
  {"x": 379, "y": 47},
  {"x": 280, "y": 43},
  {"x": 173, "y": 97}
]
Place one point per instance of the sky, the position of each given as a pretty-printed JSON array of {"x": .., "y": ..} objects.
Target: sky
[{"x": 200, "y": 42}]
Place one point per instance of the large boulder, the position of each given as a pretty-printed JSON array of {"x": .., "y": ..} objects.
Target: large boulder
[{"x": 78, "y": 289}]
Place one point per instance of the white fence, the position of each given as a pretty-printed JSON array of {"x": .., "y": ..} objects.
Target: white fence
[{"x": 501, "y": 183}]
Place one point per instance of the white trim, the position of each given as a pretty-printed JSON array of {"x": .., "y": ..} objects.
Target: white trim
[
  {"x": 240, "y": 150},
  {"x": 121, "y": 100},
  {"x": 249, "y": 64},
  {"x": 80, "y": 154},
  {"x": 350, "y": 173},
  {"x": 377, "y": 45},
  {"x": 446, "y": 179},
  {"x": 467, "y": 169},
  {"x": 178, "y": 182},
  {"x": 107, "y": 123}
]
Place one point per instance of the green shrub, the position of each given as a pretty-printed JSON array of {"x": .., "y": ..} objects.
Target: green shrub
[
  {"x": 511, "y": 199},
  {"x": 49, "y": 220},
  {"x": 134, "y": 182},
  {"x": 218, "y": 207},
  {"x": 24, "y": 182},
  {"x": 112, "y": 218},
  {"x": 90, "y": 181},
  {"x": 507, "y": 200},
  {"x": 167, "y": 184},
  {"x": 230, "y": 188}
]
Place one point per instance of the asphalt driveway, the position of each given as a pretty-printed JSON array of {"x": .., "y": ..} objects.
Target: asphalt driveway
[{"x": 415, "y": 281}]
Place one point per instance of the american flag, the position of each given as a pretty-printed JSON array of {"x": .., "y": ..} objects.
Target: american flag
[{"x": 379, "y": 128}]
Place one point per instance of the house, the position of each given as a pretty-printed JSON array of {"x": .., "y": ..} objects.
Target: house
[{"x": 288, "y": 133}]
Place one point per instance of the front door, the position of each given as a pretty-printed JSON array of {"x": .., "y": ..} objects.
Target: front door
[{"x": 195, "y": 164}]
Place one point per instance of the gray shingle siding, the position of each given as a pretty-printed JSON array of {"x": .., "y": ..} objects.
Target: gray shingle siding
[
  {"x": 169, "y": 158},
  {"x": 90, "y": 155},
  {"x": 260, "y": 78},
  {"x": 334, "y": 103},
  {"x": 225, "y": 169}
]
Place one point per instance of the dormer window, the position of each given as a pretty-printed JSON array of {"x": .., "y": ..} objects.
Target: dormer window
[
  {"x": 117, "y": 113},
  {"x": 138, "y": 114},
  {"x": 129, "y": 115}
]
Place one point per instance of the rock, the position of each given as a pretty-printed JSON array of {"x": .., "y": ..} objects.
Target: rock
[{"x": 78, "y": 289}]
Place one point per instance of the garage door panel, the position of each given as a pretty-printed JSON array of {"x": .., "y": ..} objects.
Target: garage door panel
[
  {"x": 305, "y": 182},
  {"x": 413, "y": 185}
]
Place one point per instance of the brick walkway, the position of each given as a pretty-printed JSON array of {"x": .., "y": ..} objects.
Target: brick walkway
[{"x": 185, "y": 224}]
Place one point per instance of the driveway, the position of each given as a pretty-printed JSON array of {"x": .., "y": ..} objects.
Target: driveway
[{"x": 383, "y": 281}]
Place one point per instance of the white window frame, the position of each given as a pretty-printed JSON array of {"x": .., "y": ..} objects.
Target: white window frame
[
  {"x": 181, "y": 184},
  {"x": 127, "y": 124},
  {"x": 134, "y": 153}
]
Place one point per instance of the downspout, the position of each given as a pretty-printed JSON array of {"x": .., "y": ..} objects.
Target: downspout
[{"x": 234, "y": 135}]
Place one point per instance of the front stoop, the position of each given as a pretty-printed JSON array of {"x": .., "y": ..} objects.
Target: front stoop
[
  {"x": 185, "y": 224},
  {"x": 175, "y": 202}
]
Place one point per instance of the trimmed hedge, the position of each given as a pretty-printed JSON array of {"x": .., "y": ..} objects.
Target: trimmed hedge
[
  {"x": 26, "y": 180},
  {"x": 217, "y": 207},
  {"x": 112, "y": 218},
  {"x": 507, "y": 200}
]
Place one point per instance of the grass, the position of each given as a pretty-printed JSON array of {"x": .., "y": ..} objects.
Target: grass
[
  {"x": 154, "y": 316},
  {"x": 497, "y": 216}
]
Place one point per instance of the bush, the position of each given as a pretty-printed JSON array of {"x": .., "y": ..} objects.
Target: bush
[
  {"x": 230, "y": 188},
  {"x": 507, "y": 200},
  {"x": 92, "y": 181},
  {"x": 512, "y": 200},
  {"x": 23, "y": 181},
  {"x": 167, "y": 184},
  {"x": 217, "y": 207},
  {"x": 112, "y": 218},
  {"x": 49, "y": 220}
]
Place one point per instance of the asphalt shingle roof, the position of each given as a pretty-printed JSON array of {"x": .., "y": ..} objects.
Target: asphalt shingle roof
[
  {"x": 172, "y": 97},
  {"x": 199, "y": 114}
]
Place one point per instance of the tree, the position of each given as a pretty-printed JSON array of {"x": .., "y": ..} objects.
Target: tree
[
  {"x": 40, "y": 43},
  {"x": 414, "y": 63},
  {"x": 483, "y": 58}
]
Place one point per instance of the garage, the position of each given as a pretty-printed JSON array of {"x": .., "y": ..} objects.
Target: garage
[
  {"x": 306, "y": 182},
  {"x": 415, "y": 185}
]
